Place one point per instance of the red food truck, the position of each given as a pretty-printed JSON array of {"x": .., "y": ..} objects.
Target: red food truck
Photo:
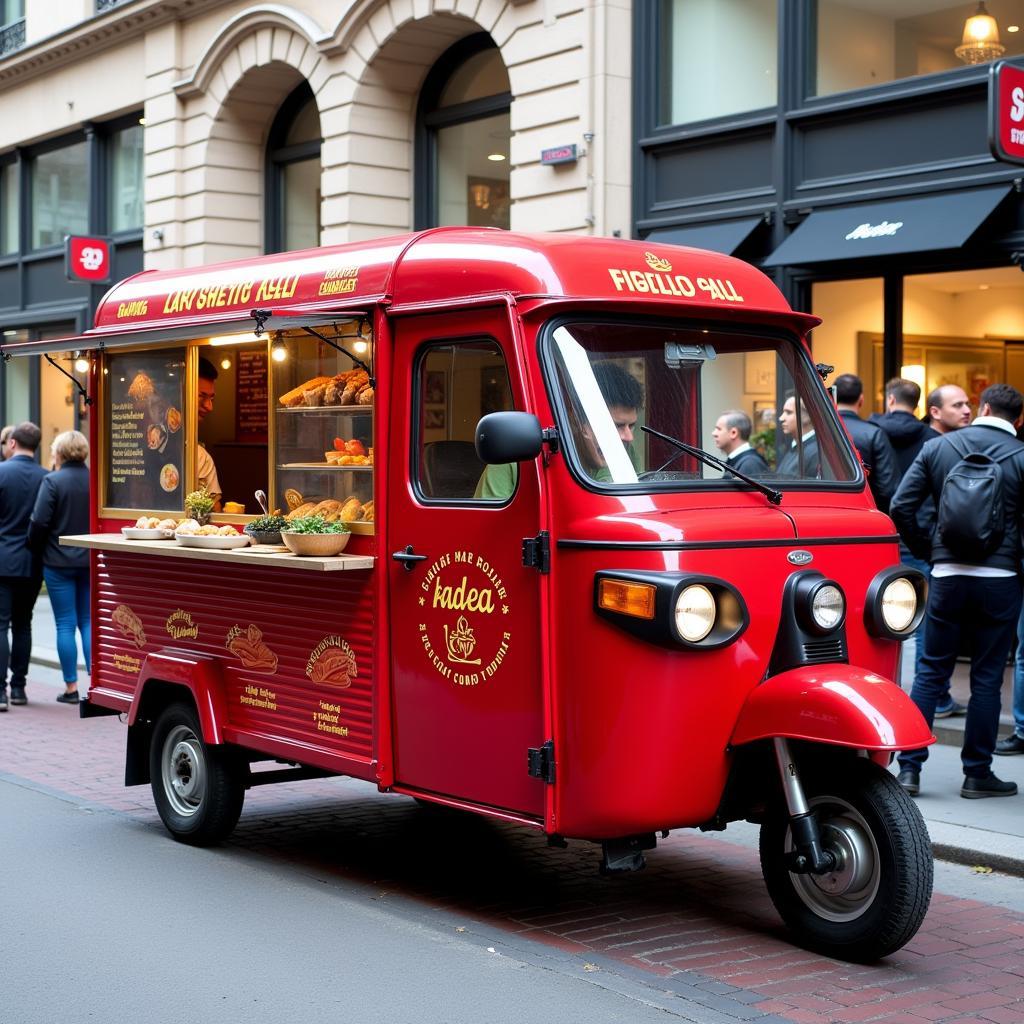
[{"x": 557, "y": 606}]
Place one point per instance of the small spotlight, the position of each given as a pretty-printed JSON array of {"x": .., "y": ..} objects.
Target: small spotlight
[
  {"x": 361, "y": 347},
  {"x": 278, "y": 352},
  {"x": 81, "y": 363},
  {"x": 496, "y": 157},
  {"x": 225, "y": 364}
]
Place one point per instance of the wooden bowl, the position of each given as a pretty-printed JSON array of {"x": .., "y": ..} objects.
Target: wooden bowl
[{"x": 321, "y": 545}]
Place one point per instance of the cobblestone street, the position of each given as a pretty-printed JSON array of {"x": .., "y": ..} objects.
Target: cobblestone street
[{"x": 695, "y": 929}]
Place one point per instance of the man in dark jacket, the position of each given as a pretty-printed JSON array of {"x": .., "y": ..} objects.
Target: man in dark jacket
[
  {"x": 973, "y": 603},
  {"x": 908, "y": 435},
  {"x": 869, "y": 439},
  {"x": 906, "y": 432},
  {"x": 20, "y": 572},
  {"x": 732, "y": 438},
  {"x": 798, "y": 453}
]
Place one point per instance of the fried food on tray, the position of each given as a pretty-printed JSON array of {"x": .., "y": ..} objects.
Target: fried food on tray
[{"x": 294, "y": 397}]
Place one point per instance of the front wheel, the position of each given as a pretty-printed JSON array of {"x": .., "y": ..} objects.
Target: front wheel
[
  {"x": 197, "y": 789},
  {"x": 875, "y": 900}
]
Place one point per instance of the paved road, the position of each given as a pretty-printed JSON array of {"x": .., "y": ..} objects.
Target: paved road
[{"x": 367, "y": 886}]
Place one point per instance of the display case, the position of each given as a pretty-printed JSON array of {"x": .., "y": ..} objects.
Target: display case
[{"x": 322, "y": 448}]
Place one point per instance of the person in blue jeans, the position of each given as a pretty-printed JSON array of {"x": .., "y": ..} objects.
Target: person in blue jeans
[
  {"x": 1014, "y": 743},
  {"x": 62, "y": 507}
]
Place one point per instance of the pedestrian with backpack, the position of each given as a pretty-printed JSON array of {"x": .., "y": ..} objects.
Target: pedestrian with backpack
[{"x": 975, "y": 476}]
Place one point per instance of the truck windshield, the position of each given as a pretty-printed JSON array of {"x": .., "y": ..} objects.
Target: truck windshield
[{"x": 752, "y": 400}]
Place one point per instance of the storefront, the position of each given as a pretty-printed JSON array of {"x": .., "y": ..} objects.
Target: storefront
[
  {"x": 84, "y": 182},
  {"x": 849, "y": 158}
]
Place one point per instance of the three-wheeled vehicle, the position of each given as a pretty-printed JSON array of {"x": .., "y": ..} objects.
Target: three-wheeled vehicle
[{"x": 560, "y": 604}]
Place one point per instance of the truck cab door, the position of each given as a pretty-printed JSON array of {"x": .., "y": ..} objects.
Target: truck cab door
[{"x": 467, "y": 690}]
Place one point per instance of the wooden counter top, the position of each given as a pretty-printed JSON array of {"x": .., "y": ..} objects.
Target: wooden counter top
[{"x": 259, "y": 554}]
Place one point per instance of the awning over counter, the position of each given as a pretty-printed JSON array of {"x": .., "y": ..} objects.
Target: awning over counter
[
  {"x": 725, "y": 237},
  {"x": 892, "y": 228},
  {"x": 131, "y": 338}
]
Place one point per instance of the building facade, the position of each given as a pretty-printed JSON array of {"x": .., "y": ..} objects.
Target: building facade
[
  {"x": 843, "y": 146},
  {"x": 192, "y": 131}
]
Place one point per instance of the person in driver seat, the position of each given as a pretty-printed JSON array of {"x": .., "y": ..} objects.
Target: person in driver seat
[{"x": 623, "y": 396}]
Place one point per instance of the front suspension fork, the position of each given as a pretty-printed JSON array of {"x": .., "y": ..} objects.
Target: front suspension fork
[{"x": 807, "y": 857}]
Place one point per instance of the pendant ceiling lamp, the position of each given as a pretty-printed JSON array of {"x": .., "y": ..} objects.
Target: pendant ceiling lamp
[{"x": 981, "y": 38}]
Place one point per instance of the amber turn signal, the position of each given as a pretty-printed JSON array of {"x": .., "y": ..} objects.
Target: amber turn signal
[{"x": 636, "y": 599}]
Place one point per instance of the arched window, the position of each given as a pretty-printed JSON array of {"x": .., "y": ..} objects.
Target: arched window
[
  {"x": 463, "y": 130},
  {"x": 293, "y": 174}
]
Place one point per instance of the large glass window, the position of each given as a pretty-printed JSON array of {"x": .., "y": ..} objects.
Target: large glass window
[
  {"x": 125, "y": 182},
  {"x": 718, "y": 57},
  {"x": 8, "y": 208},
  {"x": 457, "y": 385},
  {"x": 465, "y": 132},
  {"x": 293, "y": 192},
  {"x": 628, "y": 392},
  {"x": 60, "y": 194},
  {"x": 17, "y": 382},
  {"x": 862, "y": 43}
]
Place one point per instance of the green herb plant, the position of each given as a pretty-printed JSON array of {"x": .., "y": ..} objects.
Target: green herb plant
[
  {"x": 199, "y": 503},
  {"x": 313, "y": 524},
  {"x": 267, "y": 524}
]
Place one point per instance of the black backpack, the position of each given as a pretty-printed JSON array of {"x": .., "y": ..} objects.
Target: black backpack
[{"x": 971, "y": 516}]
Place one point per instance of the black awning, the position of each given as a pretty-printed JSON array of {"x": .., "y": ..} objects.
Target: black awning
[
  {"x": 891, "y": 228},
  {"x": 725, "y": 236}
]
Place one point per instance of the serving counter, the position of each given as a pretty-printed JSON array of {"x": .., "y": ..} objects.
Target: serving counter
[{"x": 260, "y": 554}]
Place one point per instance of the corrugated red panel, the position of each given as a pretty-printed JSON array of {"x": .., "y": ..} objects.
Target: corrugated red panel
[{"x": 295, "y": 638}]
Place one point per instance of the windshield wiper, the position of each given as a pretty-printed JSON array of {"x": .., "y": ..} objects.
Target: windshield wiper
[{"x": 774, "y": 496}]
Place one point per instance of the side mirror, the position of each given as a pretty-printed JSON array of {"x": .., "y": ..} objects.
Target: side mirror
[{"x": 508, "y": 437}]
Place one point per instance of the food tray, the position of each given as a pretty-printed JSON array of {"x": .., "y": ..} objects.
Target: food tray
[
  {"x": 328, "y": 409},
  {"x": 212, "y": 541},
  {"x": 138, "y": 533},
  {"x": 324, "y": 465}
]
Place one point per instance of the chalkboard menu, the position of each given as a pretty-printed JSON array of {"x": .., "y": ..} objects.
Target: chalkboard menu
[
  {"x": 251, "y": 396},
  {"x": 145, "y": 436}
]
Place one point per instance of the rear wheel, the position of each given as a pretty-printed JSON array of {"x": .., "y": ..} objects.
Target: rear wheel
[
  {"x": 197, "y": 789},
  {"x": 876, "y": 898}
]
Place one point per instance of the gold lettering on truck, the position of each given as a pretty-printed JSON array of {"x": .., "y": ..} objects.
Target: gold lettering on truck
[
  {"x": 463, "y": 602},
  {"x": 659, "y": 280}
]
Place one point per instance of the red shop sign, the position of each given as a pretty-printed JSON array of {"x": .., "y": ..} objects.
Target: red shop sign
[
  {"x": 1006, "y": 112},
  {"x": 88, "y": 258}
]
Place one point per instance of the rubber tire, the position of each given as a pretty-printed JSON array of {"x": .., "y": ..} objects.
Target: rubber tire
[
  {"x": 899, "y": 905},
  {"x": 220, "y": 803}
]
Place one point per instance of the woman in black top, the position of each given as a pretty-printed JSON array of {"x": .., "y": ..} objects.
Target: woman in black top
[{"x": 62, "y": 507}]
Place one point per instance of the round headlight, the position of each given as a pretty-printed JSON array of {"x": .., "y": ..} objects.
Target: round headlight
[
  {"x": 899, "y": 604},
  {"x": 695, "y": 613},
  {"x": 827, "y": 606}
]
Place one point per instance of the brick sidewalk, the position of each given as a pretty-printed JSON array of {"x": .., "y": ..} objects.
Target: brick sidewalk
[{"x": 697, "y": 922}]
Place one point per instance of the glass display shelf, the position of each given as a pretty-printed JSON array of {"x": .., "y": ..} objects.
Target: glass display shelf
[
  {"x": 324, "y": 465},
  {"x": 328, "y": 410}
]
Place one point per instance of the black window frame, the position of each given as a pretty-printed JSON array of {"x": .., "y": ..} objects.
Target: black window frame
[
  {"x": 279, "y": 156},
  {"x": 431, "y": 118}
]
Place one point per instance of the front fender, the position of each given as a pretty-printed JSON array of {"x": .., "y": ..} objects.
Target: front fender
[{"x": 839, "y": 704}]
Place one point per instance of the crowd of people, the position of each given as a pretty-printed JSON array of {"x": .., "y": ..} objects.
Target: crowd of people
[
  {"x": 955, "y": 490},
  {"x": 36, "y": 508}
]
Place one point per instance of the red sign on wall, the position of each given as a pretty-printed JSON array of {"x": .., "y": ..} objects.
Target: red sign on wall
[
  {"x": 1006, "y": 111},
  {"x": 88, "y": 258}
]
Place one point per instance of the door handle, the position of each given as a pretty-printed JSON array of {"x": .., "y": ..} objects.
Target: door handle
[{"x": 407, "y": 558}]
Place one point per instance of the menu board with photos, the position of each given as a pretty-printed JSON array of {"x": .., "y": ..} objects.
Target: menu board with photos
[
  {"x": 145, "y": 463},
  {"x": 251, "y": 396}
]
